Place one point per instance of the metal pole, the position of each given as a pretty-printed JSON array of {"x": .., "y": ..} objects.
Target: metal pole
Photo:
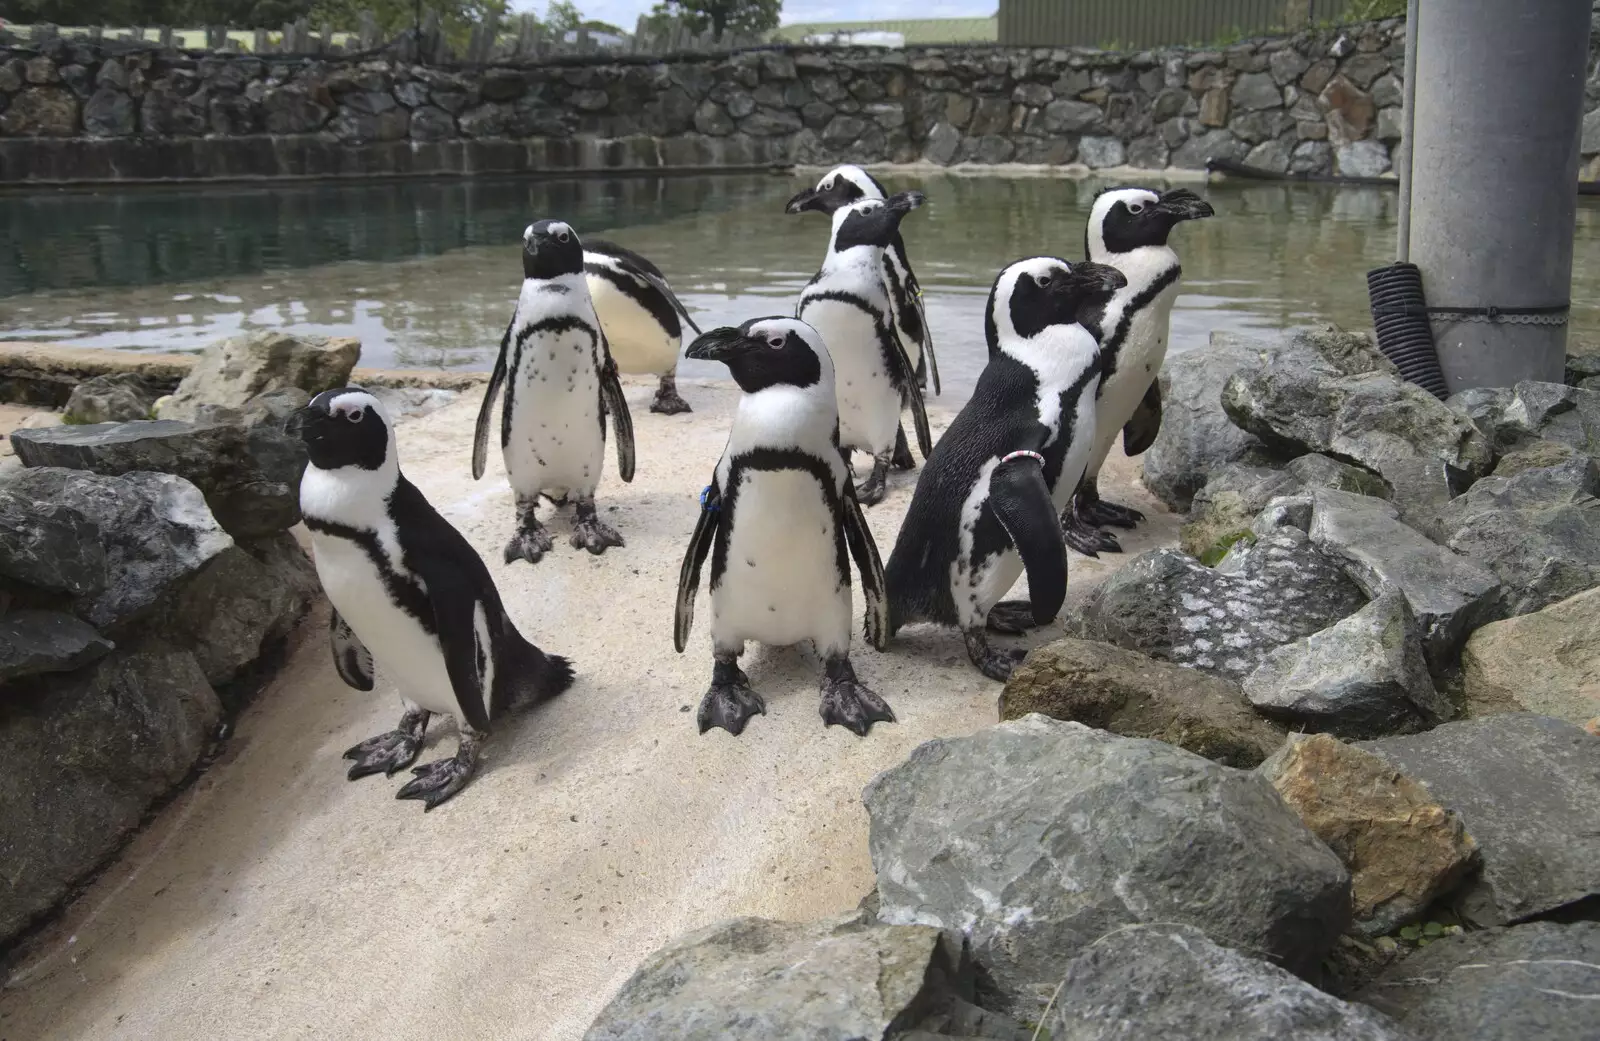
[
  {"x": 1498, "y": 106},
  {"x": 1402, "y": 160}
]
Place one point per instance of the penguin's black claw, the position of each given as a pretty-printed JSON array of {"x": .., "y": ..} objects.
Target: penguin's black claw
[
  {"x": 1012, "y": 617},
  {"x": 437, "y": 781},
  {"x": 385, "y": 754},
  {"x": 1100, "y": 513},
  {"x": 668, "y": 402},
  {"x": 876, "y": 486},
  {"x": 996, "y": 665},
  {"x": 591, "y": 534},
  {"x": 1087, "y": 539},
  {"x": 530, "y": 545},
  {"x": 730, "y": 706},
  {"x": 849, "y": 704},
  {"x": 902, "y": 459}
]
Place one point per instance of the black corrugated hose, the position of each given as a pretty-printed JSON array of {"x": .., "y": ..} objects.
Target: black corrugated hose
[{"x": 1400, "y": 315}]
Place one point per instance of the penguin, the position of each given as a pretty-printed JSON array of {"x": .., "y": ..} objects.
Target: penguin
[
  {"x": 777, "y": 520},
  {"x": 987, "y": 503},
  {"x": 639, "y": 315},
  {"x": 847, "y": 184},
  {"x": 1128, "y": 229},
  {"x": 847, "y": 302},
  {"x": 410, "y": 596},
  {"x": 560, "y": 383}
]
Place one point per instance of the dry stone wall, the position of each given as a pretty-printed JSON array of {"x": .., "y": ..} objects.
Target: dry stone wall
[{"x": 1322, "y": 102}]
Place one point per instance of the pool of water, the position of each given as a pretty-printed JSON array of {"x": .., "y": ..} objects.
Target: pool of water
[{"x": 425, "y": 273}]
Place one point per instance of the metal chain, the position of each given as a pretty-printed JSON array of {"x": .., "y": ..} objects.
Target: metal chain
[{"x": 1509, "y": 319}]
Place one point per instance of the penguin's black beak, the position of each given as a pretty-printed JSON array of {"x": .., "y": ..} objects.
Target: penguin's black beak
[
  {"x": 1182, "y": 204},
  {"x": 1087, "y": 278},
  {"x": 719, "y": 345},
  {"x": 905, "y": 202},
  {"x": 810, "y": 199}
]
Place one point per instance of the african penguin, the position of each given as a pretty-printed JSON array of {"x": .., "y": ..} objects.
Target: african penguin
[
  {"x": 847, "y": 184},
  {"x": 987, "y": 503},
  {"x": 778, "y": 519},
  {"x": 639, "y": 314},
  {"x": 847, "y": 302},
  {"x": 411, "y": 596},
  {"x": 1128, "y": 229},
  {"x": 560, "y": 382}
]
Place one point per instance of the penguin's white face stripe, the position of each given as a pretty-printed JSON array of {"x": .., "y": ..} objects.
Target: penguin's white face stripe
[
  {"x": 1033, "y": 267},
  {"x": 560, "y": 229},
  {"x": 356, "y": 403},
  {"x": 1136, "y": 199},
  {"x": 855, "y": 175}
]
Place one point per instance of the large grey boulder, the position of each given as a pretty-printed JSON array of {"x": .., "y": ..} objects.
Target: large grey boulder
[
  {"x": 1534, "y": 981},
  {"x": 1322, "y": 471},
  {"x": 1223, "y": 620},
  {"x": 1363, "y": 676},
  {"x": 1127, "y": 693},
  {"x": 233, "y": 371},
  {"x": 250, "y": 475},
  {"x": 1170, "y": 981},
  {"x": 153, "y": 529},
  {"x": 1539, "y": 531},
  {"x": 1554, "y": 412},
  {"x": 50, "y": 546},
  {"x": 34, "y": 642},
  {"x": 753, "y": 979},
  {"x": 84, "y": 761},
  {"x": 1035, "y": 838},
  {"x": 113, "y": 397},
  {"x": 1449, "y": 594},
  {"x": 1227, "y": 504},
  {"x": 1526, "y": 788},
  {"x": 1546, "y": 662}
]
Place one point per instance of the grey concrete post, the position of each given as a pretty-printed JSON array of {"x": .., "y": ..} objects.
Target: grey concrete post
[{"x": 1497, "y": 107}]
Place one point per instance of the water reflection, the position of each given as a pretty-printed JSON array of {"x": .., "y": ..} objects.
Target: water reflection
[{"x": 425, "y": 273}]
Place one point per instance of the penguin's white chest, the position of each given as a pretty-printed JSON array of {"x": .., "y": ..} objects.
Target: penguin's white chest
[
  {"x": 638, "y": 342},
  {"x": 406, "y": 654},
  {"x": 869, "y": 404},
  {"x": 556, "y": 444},
  {"x": 1138, "y": 364},
  {"x": 782, "y": 584}
]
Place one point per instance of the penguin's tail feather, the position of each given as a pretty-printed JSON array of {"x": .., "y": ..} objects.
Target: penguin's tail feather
[{"x": 540, "y": 676}]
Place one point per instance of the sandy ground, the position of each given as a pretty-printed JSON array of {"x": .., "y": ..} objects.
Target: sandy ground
[{"x": 274, "y": 899}]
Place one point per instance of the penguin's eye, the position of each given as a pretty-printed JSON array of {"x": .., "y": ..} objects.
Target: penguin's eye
[
  {"x": 1043, "y": 280},
  {"x": 356, "y": 415},
  {"x": 776, "y": 342},
  {"x": 562, "y": 236},
  {"x": 827, "y": 185},
  {"x": 1135, "y": 207}
]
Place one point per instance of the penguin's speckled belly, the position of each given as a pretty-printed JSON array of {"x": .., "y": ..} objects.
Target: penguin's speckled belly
[
  {"x": 556, "y": 443},
  {"x": 781, "y": 585},
  {"x": 869, "y": 405},
  {"x": 1138, "y": 363},
  {"x": 637, "y": 342}
]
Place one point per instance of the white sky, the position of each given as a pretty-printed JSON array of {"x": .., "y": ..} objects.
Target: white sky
[{"x": 625, "y": 13}]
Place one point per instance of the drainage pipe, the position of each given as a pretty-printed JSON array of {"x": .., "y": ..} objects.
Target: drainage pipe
[{"x": 1497, "y": 92}]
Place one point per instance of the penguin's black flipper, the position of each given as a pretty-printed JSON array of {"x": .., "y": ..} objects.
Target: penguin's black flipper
[
  {"x": 672, "y": 298},
  {"x": 865, "y": 552},
  {"x": 1140, "y": 431},
  {"x": 455, "y": 611},
  {"x": 350, "y": 655},
  {"x": 1021, "y": 502},
  {"x": 913, "y": 393},
  {"x": 914, "y": 294},
  {"x": 705, "y": 532},
  {"x": 612, "y": 401},
  {"x": 480, "y": 436}
]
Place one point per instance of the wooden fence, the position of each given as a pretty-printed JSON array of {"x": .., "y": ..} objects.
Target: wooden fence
[{"x": 1130, "y": 24}]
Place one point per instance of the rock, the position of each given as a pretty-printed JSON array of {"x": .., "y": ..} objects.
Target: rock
[
  {"x": 1349, "y": 108},
  {"x": 42, "y": 112},
  {"x": 1269, "y": 155},
  {"x": 1098, "y": 152},
  {"x": 50, "y": 546},
  {"x": 153, "y": 530},
  {"x": 1255, "y": 91},
  {"x": 1530, "y": 981},
  {"x": 835, "y": 980},
  {"x": 1449, "y": 594},
  {"x": 1036, "y": 838},
  {"x": 1534, "y": 455},
  {"x": 1072, "y": 117},
  {"x": 34, "y": 642},
  {"x": 1321, "y": 471},
  {"x": 165, "y": 113},
  {"x": 429, "y": 123},
  {"x": 84, "y": 763},
  {"x": 412, "y": 402},
  {"x": 250, "y": 477},
  {"x": 109, "y": 113},
  {"x": 1546, "y": 662},
  {"x": 1555, "y": 412},
  {"x": 1287, "y": 65},
  {"x": 1225, "y": 620},
  {"x": 233, "y": 371},
  {"x": 113, "y": 397},
  {"x": 709, "y": 118},
  {"x": 1311, "y": 156},
  {"x": 1361, "y": 159},
  {"x": 1213, "y": 144},
  {"x": 274, "y": 407},
  {"x": 1214, "y": 108},
  {"x": 1403, "y": 849},
  {"x": 1170, "y": 981},
  {"x": 943, "y": 141},
  {"x": 1538, "y": 531},
  {"x": 1129, "y": 694},
  {"x": 1521, "y": 784},
  {"x": 1363, "y": 676},
  {"x": 1226, "y": 506}
]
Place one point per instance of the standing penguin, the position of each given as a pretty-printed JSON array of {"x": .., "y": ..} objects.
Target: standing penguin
[
  {"x": 639, "y": 314},
  {"x": 410, "y": 595},
  {"x": 842, "y": 186},
  {"x": 986, "y": 506},
  {"x": 1128, "y": 229},
  {"x": 560, "y": 383},
  {"x": 778, "y": 518},
  {"x": 847, "y": 302}
]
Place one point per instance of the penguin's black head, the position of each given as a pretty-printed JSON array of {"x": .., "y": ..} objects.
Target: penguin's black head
[
  {"x": 840, "y": 186},
  {"x": 550, "y": 249},
  {"x": 766, "y": 352},
  {"x": 1123, "y": 219},
  {"x": 872, "y": 222},
  {"x": 1039, "y": 292},
  {"x": 343, "y": 427}
]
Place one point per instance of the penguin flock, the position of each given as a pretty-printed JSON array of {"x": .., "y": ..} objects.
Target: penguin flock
[{"x": 1074, "y": 348}]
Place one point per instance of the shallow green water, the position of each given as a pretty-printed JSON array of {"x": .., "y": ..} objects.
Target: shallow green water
[{"x": 425, "y": 273}]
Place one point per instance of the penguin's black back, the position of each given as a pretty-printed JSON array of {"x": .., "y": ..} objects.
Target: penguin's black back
[
  {"x": 611, "y": 249},
  {"x": 648, "y": 296}
]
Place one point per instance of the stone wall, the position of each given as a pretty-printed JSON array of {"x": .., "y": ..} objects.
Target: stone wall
[{"x": 1323, "y": 102}]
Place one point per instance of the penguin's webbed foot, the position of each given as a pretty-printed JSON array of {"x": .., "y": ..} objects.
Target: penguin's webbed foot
[
  {"x": 902, "y": 458},
  {"x": 996, "y": 665},
  {"x": 385, "y": 754},
  {"x": 439, "y": 780},
  {"x": 1099, "y": 513},
  {"x": 730, "y": 702},
  {"x": 876, "y": 486},
  {"x": 849, "y": 704},
  {"x": 1012, "y": 617},
  {"x": 668, "y": 401},
  {"x": 530, "y": 544},
  {"x": 1086, "y": 538},
  {"x": 591, "y": 533}
]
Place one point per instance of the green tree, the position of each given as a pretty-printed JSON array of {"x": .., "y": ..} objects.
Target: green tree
[
  {"x": 747, "y": 17},
  {"x": 236, "y": 14}
]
